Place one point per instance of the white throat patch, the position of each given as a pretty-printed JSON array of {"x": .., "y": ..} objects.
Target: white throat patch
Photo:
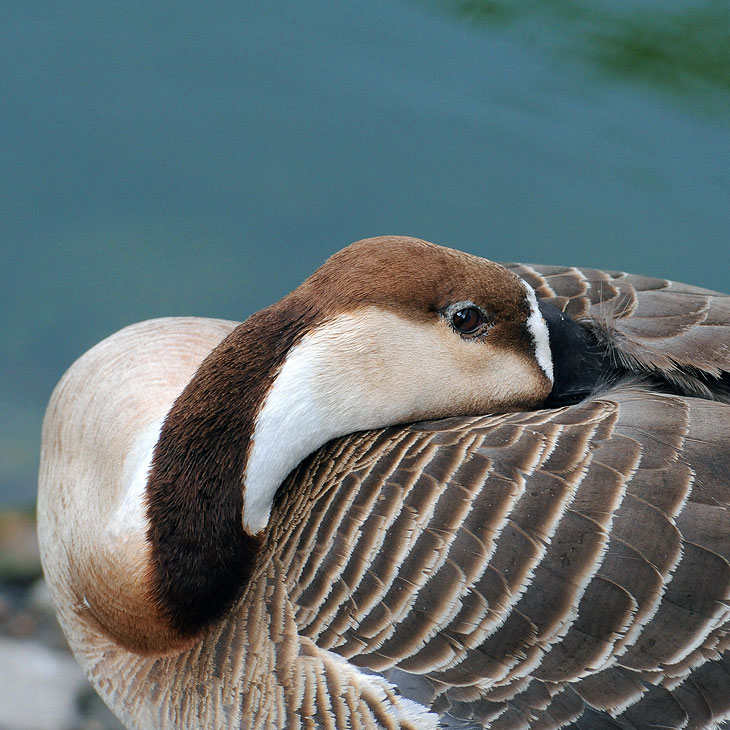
[{"x": 288, "y": 427}]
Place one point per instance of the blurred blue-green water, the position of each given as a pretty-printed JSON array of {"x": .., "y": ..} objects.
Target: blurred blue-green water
[{"x": 180, "y": 158}]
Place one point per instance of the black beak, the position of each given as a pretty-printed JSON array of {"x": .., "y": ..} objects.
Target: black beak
[{"x": 581, "y": 365}]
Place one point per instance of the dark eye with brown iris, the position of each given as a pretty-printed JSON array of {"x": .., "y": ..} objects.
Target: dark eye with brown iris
[{"x": 467, "y": 320}]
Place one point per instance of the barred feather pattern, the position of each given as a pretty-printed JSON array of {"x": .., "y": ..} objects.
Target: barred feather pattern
[
  {"x": 528, "y": 572},
  {"x": 563, "y": 568},
  {"x": 566, "y": 568}
]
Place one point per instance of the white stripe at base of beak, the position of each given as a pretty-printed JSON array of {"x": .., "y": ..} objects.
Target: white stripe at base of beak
[{"x": 540, "y": 335}]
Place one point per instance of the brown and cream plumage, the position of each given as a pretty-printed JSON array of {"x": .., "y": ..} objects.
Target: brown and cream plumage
[{"x": 560, "y": 562}]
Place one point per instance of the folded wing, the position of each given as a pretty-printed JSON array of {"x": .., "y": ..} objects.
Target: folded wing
[{"x": 548, "y": 567}]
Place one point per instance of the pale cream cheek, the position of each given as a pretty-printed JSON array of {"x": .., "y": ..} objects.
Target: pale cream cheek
[
  {"x": 371, "y": 369},
  {"x": 401, "y": 369},
  {"x": 474, "y": 376}
]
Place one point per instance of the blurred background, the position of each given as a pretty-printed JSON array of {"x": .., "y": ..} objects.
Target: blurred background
[{"x": 194, "y": 159}]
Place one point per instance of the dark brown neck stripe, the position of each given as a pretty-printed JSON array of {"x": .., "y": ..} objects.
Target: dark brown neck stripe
[{"x": 202, "y": 558}]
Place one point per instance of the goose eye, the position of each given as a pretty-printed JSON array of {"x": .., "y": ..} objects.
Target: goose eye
[{"x": 467, "y": 320}]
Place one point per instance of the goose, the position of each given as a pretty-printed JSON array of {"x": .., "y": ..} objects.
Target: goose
[{"x": 423, "y": 490}]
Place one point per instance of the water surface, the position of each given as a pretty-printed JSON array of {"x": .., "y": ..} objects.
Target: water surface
[{"x": 179, "y": 159}]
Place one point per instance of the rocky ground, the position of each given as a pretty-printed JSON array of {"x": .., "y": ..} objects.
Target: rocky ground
[{"x": 41, "y": 686}]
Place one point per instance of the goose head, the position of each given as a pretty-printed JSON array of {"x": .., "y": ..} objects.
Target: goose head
[{"x": 387, "y": 331}]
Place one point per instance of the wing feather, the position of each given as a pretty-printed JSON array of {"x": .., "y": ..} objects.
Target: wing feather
[{"x": 530, "y": 568}]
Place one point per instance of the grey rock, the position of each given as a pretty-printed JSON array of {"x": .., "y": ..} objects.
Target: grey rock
[{"x": 39, "y": 687}]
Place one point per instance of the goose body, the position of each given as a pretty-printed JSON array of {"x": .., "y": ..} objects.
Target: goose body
[{"x": 422, "y": 491}]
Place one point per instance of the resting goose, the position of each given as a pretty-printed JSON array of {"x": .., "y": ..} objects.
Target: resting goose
[{"x": 423, "y": 490}]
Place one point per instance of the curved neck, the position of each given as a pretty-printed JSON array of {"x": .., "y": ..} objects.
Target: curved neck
[
  {"x": 201, "y": 556},
  {"x": 284, "y": 383}
]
